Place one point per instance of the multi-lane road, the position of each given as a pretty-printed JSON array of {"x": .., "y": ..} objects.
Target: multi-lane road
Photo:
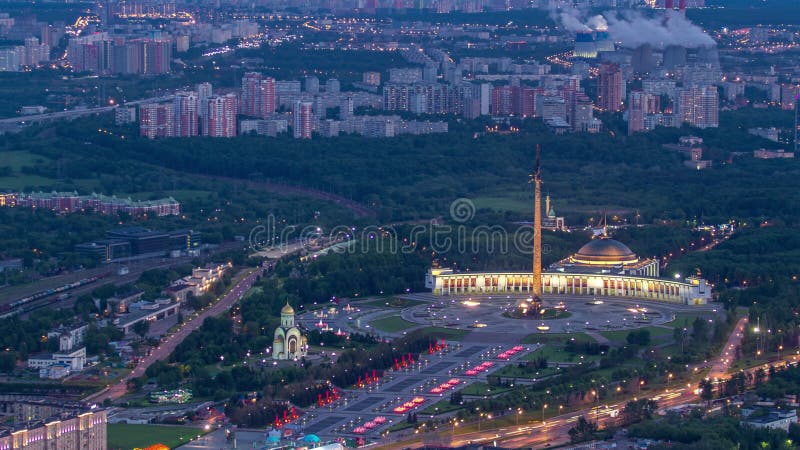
[
  {"x": 171, "y": 342},
  {"x": 554, "y": 431}
]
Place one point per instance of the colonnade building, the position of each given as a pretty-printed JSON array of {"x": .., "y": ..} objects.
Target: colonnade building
[{"x": 603, "y": 267}]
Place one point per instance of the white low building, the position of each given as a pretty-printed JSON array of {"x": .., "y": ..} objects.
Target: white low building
[
  {"x": 54, "y": 372},
  {"x": 774, "y": 419},
  {"x": 75, "y": 359}
]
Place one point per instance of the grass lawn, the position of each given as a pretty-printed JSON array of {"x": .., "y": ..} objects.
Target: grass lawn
[
  {"x": 556, "y": 353},
  {"x": 542, "y": 338},
  {"x": 182, "y": 195},
  {"x": 440, "y": 407},
  {"x": 127, "y": 437},
  {"x": 402, "y": 425},
  {"x": 751, "y": 360},
  {"x": 393, "y": 302},
  {"x": 18, "y": 159},
  {"x": 445, "y": 333},
  {"x": 392, "y": 324},
  {"x": 518, "y": 204},
  {"x": 25, "y": 182},
  {"x": 514, "y": 371},
  {"x": 656, "y": 334},
  {"x": 481, "y": 388},
  {"x": 685, "y": 320}
]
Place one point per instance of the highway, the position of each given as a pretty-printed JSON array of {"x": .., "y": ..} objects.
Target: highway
[
  {"x": 721, "y": 364},
  {"x": 169, "y": 344},
  {"x": 75, "y": 113}
]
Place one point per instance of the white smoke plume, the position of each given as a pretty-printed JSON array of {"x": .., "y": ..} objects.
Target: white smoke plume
[
  {"x": 632, "y": 28},
  {"x": 571, "y": 20},
  {"x": 597, "y": 23}
]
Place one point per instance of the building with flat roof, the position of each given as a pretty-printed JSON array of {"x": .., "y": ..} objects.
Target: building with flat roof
[
  {"x": 131, "y": 242},
  {"x": 772, "y": 154},
  {"x": 199, "y": 282},
  {"x": 84, "y": 430},
  {"x": 76, "y": 359},
  {"x": 146, "y": 311},
  {"x": 776, "y": 419},
  {"x": 27, "y": 410},
  {"x": 69, "y": 337}
]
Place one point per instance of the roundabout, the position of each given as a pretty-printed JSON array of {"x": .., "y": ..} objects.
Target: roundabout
[{"x": 563, "y": 314}]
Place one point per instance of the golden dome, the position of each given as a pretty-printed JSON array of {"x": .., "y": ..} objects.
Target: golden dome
[
  {"x": 605, "y": 251},
  {"x": 287, "y": 309}
]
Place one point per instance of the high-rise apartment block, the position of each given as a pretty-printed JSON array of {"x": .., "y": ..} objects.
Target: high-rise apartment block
[
  {"x": 102, "y": 54},
  {"x": 220, "y": 117},
  {"x": 186, "y": 114},
  {"x": 258, "y": 95},
  {"x": 637, "y": 110},
  {"x": 156, "y": 120},
  {"x": 204, "y": 91},
  {"x": 789, "y": 94},
  {"x": 610, "y": 87},
  {"x": 699, "y": 106},
  {"x": 302, "y": 119}
]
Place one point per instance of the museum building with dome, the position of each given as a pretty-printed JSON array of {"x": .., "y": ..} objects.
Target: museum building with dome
[
  {"x": 602, "y": 267},
  {"x": 603, "y": 255}
]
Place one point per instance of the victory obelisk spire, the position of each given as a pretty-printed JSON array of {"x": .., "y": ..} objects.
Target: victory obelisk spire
[{"x": 536, "y": 179}]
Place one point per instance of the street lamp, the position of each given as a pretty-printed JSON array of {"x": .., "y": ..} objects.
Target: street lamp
[{"x": 519, "y": 413}]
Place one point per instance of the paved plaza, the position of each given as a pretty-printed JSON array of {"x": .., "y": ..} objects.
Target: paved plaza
[{"x": 489, "y": 331}]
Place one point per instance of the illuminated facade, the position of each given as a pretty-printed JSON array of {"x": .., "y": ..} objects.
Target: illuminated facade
[
  {"x": 691, "y": 291},
  {"x": 289, "y": 342},
  {"x": 84, "y": 431},
  {"x": 603, "y": 267}
]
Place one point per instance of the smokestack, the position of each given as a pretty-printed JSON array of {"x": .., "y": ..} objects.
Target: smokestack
[
  {"x": 668, "y": 4},
  {"x": 682, "y": 6}
]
